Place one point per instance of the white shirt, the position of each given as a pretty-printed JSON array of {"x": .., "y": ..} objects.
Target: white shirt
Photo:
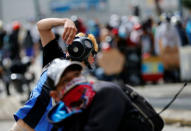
[{"x": 168, "y": 35}]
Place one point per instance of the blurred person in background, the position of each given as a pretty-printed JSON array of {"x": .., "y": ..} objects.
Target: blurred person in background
[
  {"x": 167, "y": 43},
  {"x": 32, "y": 27},
  {"x": 3, "y": 70},
  {"x": 28, "y": 44},
  {"x": 166, "y": 34},
  {"x": 79, "y": 24},
  {"x": 135, "y": 35},
  {"x": 15, "y": 46},
  {"x": 147, "y": 38},
  {"x": 188, "y": 30},
  {"x": 114, "y": 21},
  {"x": 110, "y": 44},
  {"x": 180, "y": 29},
  {"x": 94, "y": 28},
  {"x": 2, "y": 36},
  {"x": 123, "y": 34}
]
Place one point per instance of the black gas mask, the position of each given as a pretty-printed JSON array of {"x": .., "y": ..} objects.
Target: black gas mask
[{"x": 80, "y": 50}]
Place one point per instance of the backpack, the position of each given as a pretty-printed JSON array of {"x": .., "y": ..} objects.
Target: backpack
[{"x": 140, "y": 113}]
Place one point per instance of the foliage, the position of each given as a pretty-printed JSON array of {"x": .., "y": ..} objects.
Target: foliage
[{"x": 186, "y": 3}]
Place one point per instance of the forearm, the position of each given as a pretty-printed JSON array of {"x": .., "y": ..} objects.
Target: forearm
[
  {"x": 20, "y": 125},
  {"x": 48, "y": 23},
  {"x": 46, "y": 34},
  {"x": 45, "y": 26}
]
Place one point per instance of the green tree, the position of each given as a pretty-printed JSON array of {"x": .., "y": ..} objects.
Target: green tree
[{"x": 186, "y": 3}]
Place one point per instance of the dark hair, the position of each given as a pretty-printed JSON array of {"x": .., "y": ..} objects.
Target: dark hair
[{"x": 72, "y": 68}]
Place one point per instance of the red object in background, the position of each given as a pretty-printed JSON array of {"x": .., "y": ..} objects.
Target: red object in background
[
  {"x": 114, "y": 31},
  {"x": 152, "y": 77},
  {"x": 16, "y": 25},
  {"x": 105, "y": 47},
  {"x": 137, "y": 26},
  {"x": 81, "y": 25},
  {"x": 130, "y": 43},
  {"x": 146, "y": 55}
]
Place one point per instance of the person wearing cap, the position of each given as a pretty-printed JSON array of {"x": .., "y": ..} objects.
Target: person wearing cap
[
  {"x": 102, "y": 106},
  {"x": 32, "y": 116},
  {"x": 82, "y": 105},
  {"x": 86, "y": 106},
  {"x": 14, "y": 41}
]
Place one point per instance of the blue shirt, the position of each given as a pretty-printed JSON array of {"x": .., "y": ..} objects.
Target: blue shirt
[{"x": 35, "y": 110}]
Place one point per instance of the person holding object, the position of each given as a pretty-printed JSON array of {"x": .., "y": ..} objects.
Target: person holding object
[
  {"x": 32, "y": 116},
  {"x": 51, "y": 49}
]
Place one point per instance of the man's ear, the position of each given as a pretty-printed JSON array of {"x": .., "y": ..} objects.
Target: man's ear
[{"x": 54, "y": 95}]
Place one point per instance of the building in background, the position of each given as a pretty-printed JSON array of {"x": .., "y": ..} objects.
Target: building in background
[{"x": 87, "y": 9}]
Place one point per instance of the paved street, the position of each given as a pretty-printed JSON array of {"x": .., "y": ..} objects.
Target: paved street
[
  {"x": 180, "y": 103},
  {"x": 158, "y": 95},
  {"x": 5, "y": 125},
  {"x": 161, "y": 95}
]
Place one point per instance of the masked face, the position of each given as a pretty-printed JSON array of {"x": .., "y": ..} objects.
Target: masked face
[
  {"x": 79, "y": 97},
  {"x": 69, "y": 76},
  {"x": 78, "y": 94},
  {"x": 73, "y": 83}
]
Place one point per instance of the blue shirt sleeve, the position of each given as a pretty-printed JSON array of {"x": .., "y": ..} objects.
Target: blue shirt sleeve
[{"x": 35, "y": 110}]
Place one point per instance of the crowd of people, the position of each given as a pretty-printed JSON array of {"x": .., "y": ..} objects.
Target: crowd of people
[
  {"x": 150, "y": 37},
  {"x": 160, "y": 38},
  {"x": 19, "y": 46}
]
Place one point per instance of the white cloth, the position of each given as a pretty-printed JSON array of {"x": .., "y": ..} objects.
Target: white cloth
[{"x": 168, "y": 35}]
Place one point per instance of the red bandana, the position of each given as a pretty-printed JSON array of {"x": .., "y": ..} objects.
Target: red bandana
[{"x": 79, "y": 97}]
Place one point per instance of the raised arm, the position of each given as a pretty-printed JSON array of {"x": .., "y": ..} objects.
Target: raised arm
[{"x": 45, "y": 29}]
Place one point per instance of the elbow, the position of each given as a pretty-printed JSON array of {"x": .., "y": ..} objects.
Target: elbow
[
  {"x": 40, "y": 25},
  {"x": 43, "y": 24}
]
